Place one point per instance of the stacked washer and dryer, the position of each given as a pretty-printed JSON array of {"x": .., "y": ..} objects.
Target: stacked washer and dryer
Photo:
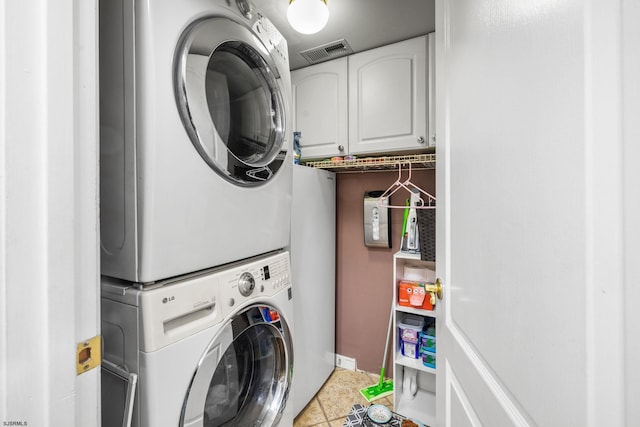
[{"x": 195, "y": 215}]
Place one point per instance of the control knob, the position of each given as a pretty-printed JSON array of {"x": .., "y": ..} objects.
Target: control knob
[
  {"x": 246, "y": 284},
  {"x": 245, "y": 8}
]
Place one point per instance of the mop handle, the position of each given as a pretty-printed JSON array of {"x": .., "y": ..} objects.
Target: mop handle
[{"x": 386, "y": 346}]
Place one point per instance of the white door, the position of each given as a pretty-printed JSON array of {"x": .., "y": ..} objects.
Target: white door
[{"x": 533, "y": 213}]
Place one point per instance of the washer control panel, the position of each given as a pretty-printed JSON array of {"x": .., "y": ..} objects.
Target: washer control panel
[
  {"x": 178, "y": 310},
  {"x": 261, "y": 278}
]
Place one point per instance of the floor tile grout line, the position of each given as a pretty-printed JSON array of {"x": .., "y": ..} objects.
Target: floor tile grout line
[{"x": 326, "y": 419}]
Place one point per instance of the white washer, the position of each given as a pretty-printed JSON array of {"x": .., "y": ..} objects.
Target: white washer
[
  {"x": 210, "y": 350},
  {"x": 195, "y": 147}
]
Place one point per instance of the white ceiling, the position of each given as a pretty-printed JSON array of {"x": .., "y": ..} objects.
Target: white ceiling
[{"x": 364, "y": 24}]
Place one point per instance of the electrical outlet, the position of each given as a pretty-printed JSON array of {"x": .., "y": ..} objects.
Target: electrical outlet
[{"x": 345, "y": 362}]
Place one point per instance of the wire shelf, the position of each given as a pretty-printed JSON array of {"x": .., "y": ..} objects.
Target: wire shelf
[{"x": 382, "y": 163}]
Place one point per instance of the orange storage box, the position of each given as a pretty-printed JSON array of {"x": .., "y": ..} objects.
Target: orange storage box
[{"x": 413, "y": 294}]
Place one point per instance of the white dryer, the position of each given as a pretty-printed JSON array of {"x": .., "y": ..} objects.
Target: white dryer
[
  {"x": 195, "y": 146},
  {"x": 211, "y": 350}
]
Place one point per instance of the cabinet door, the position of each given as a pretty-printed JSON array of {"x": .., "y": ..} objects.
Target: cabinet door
[
  {"x": 387, "y": 98},
  {"x": 320, "y": 108},
  {"x": 431, "y": 89}
]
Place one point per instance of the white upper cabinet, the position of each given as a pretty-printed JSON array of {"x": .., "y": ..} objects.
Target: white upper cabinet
[
  {"x": 373, "y": 102},
  {"x": 320, "y": 108},
  {"x": 388, "y": 92}
]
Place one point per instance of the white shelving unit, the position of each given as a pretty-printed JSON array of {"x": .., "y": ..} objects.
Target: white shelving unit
[{"x": 422, "y": 406}]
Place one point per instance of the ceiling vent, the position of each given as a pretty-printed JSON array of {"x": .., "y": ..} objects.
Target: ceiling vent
[{"x": 327, "y": 51}]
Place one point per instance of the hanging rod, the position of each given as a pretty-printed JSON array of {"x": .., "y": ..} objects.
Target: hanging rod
[{"x": 374, "y": 164}]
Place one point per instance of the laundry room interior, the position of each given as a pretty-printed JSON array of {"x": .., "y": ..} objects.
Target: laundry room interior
[{"x": 319, "y": 213}]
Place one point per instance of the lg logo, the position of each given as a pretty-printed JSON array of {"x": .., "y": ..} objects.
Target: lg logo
[{"x": 167, "y": 299}]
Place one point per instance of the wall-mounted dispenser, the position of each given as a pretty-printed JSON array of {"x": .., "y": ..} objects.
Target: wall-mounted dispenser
[{"x": 377, "y": 220}]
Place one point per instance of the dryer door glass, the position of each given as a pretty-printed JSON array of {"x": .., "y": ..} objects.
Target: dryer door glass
[
  {"x": 230, "y": 97},
  {"x": 244, "y": 377}
]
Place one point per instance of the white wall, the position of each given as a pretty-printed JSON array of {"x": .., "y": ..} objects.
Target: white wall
[{"x": 49, "y": 258}]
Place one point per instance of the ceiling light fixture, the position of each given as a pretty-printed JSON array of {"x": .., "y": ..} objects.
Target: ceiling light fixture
[{"x": 308, "y": 16}]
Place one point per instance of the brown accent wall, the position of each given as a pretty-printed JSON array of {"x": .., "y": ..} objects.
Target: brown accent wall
[{"x": 364, "y": 276}]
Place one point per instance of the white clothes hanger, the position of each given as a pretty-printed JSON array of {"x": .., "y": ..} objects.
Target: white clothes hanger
[
  {"x": 253, "y": 173},
  {"x": 410, "y": 187}
]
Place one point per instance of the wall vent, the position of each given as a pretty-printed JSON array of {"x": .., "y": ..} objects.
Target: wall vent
[{"x": 327, "y": 51}]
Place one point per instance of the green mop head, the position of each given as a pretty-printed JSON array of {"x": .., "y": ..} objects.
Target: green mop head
[{"x": 377, "y": 391}]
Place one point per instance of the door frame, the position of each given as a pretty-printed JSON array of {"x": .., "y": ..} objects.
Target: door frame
[{"x": 49, "y": 262}]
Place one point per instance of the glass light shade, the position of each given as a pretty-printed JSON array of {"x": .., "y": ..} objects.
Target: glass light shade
[{"x": 308, "y": 16}]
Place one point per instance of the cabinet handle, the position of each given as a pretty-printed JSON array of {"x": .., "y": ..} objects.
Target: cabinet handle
[
  {"x": 433, "y": 137},
  {"x": 421, "y": 140},
  {"x": 341, "y": 148}
]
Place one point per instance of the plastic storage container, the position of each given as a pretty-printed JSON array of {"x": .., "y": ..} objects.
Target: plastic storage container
[
  {"x": 410, "y": 349},
  {"x": 427, "y": 342},
  {"x": 428, "y": 359},
  {"x": 428, "y": 337},
  {"x": 410, "y": 328}
]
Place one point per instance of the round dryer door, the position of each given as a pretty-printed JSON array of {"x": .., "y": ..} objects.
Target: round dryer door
[
  {"x": 244, "y": 377},
  {"x": 230, "y": 98}
]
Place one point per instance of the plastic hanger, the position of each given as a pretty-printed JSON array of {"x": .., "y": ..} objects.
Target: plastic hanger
[
  {"x": 253, "y": 173},
  {"x": 410, "y": 187}
]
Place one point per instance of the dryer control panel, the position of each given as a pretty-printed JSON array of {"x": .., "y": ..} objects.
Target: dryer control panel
[
  {"x": 249, "y": 282},
  {"x": 272, "y": 38}
]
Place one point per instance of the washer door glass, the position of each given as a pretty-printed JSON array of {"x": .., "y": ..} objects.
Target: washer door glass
[
  {"x": 245, "y": 375},
  {"x": 229, "y": 95}
]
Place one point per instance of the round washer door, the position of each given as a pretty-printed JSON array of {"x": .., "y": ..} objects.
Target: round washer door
[
  {"x": 230, "y": 99},
  {"x": 244, "y": 377}
]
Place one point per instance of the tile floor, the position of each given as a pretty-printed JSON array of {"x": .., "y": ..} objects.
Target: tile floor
[{"x": 330, "y": 406}]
